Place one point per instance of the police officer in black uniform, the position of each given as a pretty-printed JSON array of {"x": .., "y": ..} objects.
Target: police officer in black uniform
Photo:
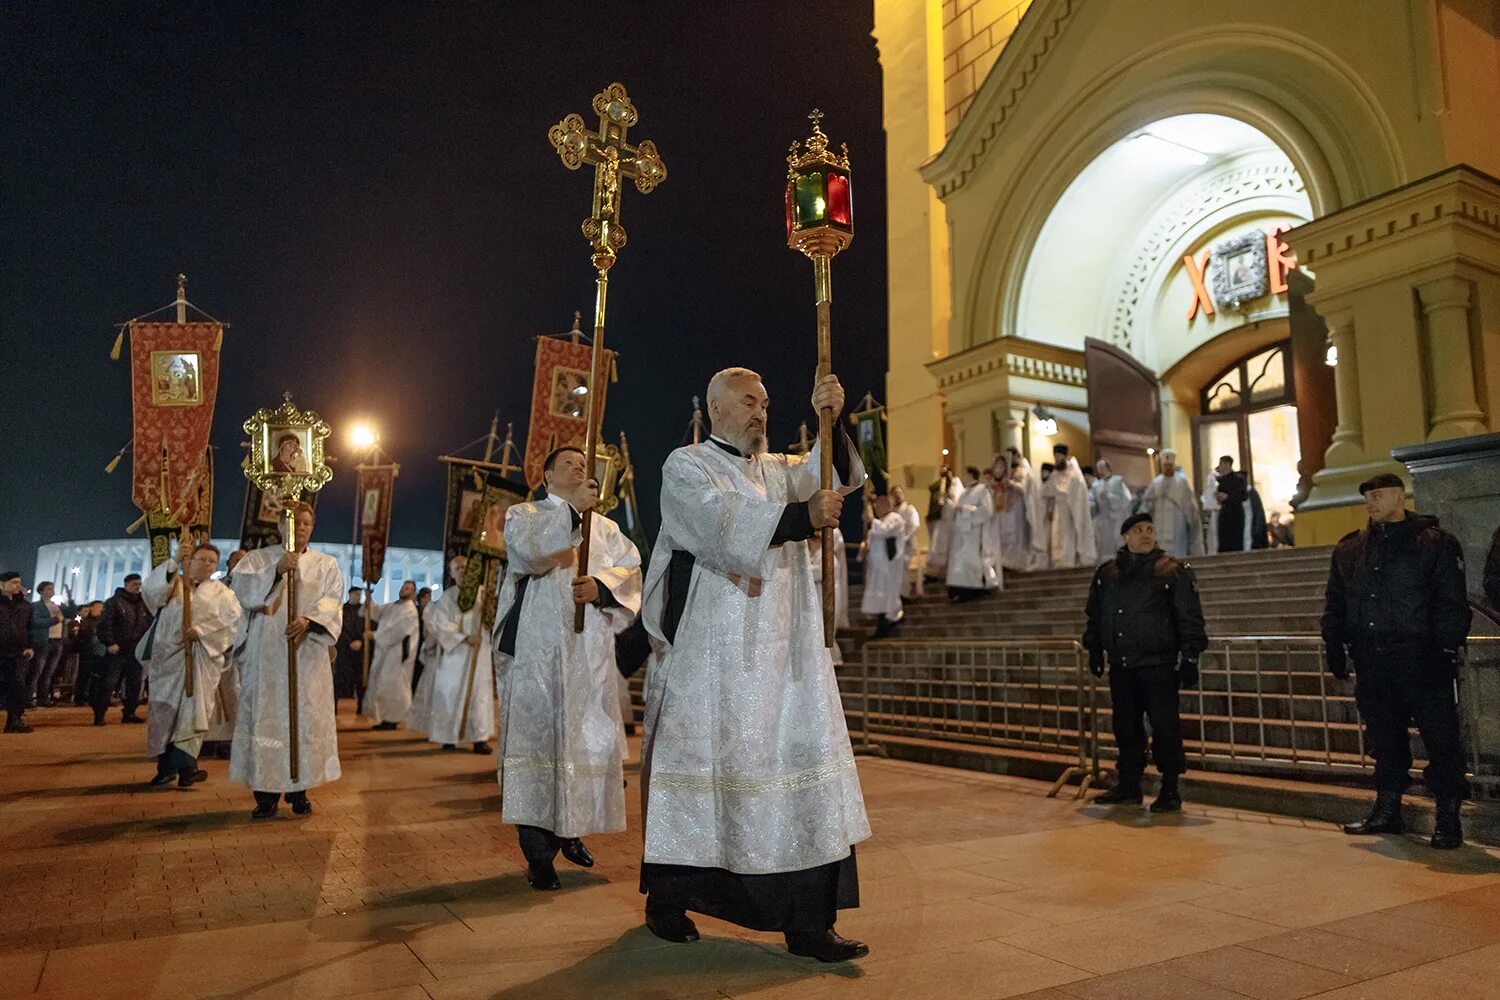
[
  {"x": 1145, "y": 620},
  {"x": 1397, "y": 605}
]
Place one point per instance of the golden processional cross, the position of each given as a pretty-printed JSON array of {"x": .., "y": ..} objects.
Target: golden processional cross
[{"x": 614, "y": 160}]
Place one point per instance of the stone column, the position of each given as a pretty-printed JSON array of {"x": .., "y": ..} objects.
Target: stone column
[
  {"x": 1348, "y": 447},
  {"x": 1455, "y": 411},
  {"x": 1015, "y": 429}
]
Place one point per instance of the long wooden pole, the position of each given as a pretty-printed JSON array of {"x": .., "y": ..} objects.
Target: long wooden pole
[
  {"x": 591, "y": 438},
  {"x": 463, "y": 722},
  {"x": 823, "y": 280},
  {"x": 289, "y": 594}
]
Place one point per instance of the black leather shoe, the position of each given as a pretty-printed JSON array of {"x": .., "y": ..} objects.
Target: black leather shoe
[
  {"x": 825, "y": 947},
  {"x": 449, "y": 747},
  {"x": 541, "y": 876},
  {"x": 1448, "y": 828},
  {"x": 189, "y": 777},
  {"x": 161, "y": 778},
  {"x": 574, "y": 851},
  {"x": 1385, "y": 817},
  {"x": 1127, "y": 793},
  {"x": 483, "y": 748},
  {"x": 1169, "y": 799},
  {"x": 264, "y": 810},
  {"x": 671, "y": 925},
  {"x": 301, "y": 805}
]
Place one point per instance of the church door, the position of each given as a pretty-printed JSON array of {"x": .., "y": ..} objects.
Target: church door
[{"x": 1124, "y": 411}]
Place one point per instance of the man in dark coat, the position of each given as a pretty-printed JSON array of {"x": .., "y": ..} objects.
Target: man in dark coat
[
  {"x": 16, "y": 651},
  {"x": 125, "y": 620},
  {"x": 1145, "y": 623},
  {"x": 1232, "y": 493},
  {"x": 1398, "y": 606},
  {"x": 1492, "y": 572},
  {"x": 349, "y": 660}
]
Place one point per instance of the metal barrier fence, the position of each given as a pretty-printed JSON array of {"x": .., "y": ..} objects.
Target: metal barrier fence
[{"x": 1263, "y": 704}]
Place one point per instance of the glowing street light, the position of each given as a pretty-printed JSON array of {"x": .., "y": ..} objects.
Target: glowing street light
[{"x": 363, "y": 435}]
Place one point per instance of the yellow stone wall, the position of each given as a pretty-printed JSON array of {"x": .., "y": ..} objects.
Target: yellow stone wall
[{"x": 974, "y": 33}]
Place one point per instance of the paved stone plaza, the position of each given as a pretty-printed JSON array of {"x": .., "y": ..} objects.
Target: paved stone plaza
[{"x": 405, "y": 885}]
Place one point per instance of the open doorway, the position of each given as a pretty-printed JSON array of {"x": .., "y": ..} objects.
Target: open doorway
[{"x": 1249, "y": 413}]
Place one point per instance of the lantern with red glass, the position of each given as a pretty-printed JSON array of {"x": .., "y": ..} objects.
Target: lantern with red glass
[{"x": 819, "y": 211}]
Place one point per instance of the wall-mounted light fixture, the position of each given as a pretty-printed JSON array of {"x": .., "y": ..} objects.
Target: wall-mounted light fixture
[{"x": 1046, "y": 423}]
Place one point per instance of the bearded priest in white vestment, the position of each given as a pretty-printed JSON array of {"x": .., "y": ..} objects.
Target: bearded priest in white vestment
[
  {"x": 388, "y": 698},
  {"x": 1073, "y": 541},
  {"x": 752, "y": 800},
  {"x": 176, "y": 723},
  {"x": 885, "y": 567},
  {"x": 971, "y": 562},
  {"x": 562, "y": 738},
  {"x": 1109, "y": 502},
  {"x": 1173, "y": 505},
  {"x": 259, "y": 756},
  {"x": 460, "y": 677}
]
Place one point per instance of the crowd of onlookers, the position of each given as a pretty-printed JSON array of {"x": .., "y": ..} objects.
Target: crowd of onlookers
[{"x": 55, "y": 651}]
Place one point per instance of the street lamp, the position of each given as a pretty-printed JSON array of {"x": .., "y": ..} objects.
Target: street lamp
[{"x": 363, "y": 435}]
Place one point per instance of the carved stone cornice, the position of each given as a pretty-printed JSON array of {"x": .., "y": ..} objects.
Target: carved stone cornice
[
  {"x": 1010, "y": 356},
  {"x": 1018, "y": 65}
]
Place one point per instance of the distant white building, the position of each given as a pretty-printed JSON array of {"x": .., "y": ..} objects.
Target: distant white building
[{"x": 93, "y": 569}]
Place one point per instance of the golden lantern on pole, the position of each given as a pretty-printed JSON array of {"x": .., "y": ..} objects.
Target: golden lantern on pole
[{"x": 820, "y": 223}]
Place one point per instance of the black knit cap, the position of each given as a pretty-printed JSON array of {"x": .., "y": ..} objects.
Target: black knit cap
[
  {"x": 9, "y": 576},
  {"x": 1133, "y": 520},
  {"x": 1380, "y": 482}
]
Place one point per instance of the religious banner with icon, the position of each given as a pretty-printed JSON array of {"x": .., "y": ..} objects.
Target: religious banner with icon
[
  {"x": 374, "y": 489},
  {"x": 260, "y": 525},
  {"x": 477, "y": 501},
  {"x": 163, "y": 527},
  {"x": 559, "y": 397},
  {"x": 174, "y": 380}
]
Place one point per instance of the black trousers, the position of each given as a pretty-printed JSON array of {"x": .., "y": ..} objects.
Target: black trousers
[
  {"x": 271, "y": 798},
  {"x": 799, "y": 901},
  {"x": 175, "y": 760},
  {"x": 538, "y": 844},
  {"x": 1149, "y": 693},
  {"x": 118, "y": 667},
  {"x": 89, "y": 668},
  {"x": 13, "y": 685},
  {"x": 1392, "y": 694}
]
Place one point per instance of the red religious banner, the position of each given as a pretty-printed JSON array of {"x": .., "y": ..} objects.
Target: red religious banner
[
  {"x": 376, "y": 483},
  {"x": 174, "y": 379},
  {"x": 559, "y": 398}
]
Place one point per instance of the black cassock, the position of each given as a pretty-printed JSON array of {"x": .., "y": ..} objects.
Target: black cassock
[{"x": 1236, "y": 488}]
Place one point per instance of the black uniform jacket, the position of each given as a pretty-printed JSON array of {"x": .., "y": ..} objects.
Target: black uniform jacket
[
  {"x": 1143, "y": 611},
  {"x": 1396, "y": 590}
]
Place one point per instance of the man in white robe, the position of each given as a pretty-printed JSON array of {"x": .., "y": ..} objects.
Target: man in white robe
[
  {"x": 388, "y": 699},
  {"x": 1109, "y": 500},
  {"x": 1173, "y": 505},
  {"x": 752, "y": 800},
  {"x": 885, "y": 567},
  {"x": 1072, "y": 534},
  {"x": 561, "y": 736},
  {"x": 944, "y": 495},
  {"x": 911, "y": 525},
  {"x": 177, "y": 723},
  {"x": 971, "y": 566},
  {"x": 1209, "y": 499},
  {"x": 459, "y": 679},
  {"x": 260, "y": 754},
  {"x": 227, "y": 698},
  {"x": 992, "y": 528}
]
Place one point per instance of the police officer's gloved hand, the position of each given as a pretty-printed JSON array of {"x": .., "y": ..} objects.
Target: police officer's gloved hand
[
  {"x": 1187, "y": 673},
  {"x": 1096, "y": 663},
  {"x": 1338, "y": 664}
]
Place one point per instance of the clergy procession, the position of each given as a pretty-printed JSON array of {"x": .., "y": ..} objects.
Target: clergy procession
[{"x": 662, "y": 675}]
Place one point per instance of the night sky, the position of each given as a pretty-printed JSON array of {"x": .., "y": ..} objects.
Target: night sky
[{"x": 366, "y": 193}]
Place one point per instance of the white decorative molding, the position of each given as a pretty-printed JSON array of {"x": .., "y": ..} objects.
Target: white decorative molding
[
  {"x": 1240, "y": 182},
  {"x": 1011, "y": 356}
]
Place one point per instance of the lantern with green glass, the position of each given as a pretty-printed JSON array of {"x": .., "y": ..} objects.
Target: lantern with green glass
[{"x": 820, "y": 223}]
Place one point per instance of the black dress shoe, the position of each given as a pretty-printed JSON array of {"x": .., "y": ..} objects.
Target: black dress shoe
[
  {"x": 449, "y": 747},
  {"x": 483, "y": 748},
  {"x": 188, "y": 777},
  {"x": 671, "y": 925},
  {"x": 98, "y": 722},
  {"x": 264, "y": 810},
  {"x": 825, "y": 947},
  {"x": 1447, "y": 829},
  {"x": 574, "y": 851},
  {"x": 1169, "y": 799},
  {"x": 301, "y": 805},
  {"x": 161, "y": 778},
  {"x": 1385, "y": 817},
  {"x": 541, "y": 876},
  {"x": 1127, "y": 793}
]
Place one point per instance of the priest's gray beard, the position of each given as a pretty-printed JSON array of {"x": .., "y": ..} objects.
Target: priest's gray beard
[{"x": 756, "y": 444}]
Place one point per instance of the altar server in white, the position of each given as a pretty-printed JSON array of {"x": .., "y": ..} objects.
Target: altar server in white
[
  {"x": 1173, "y": 505},
  {"x": 260, "y": 754},
  {"x": 561, "y": 735},
  {"x": 1109, "y": 501},
  {"x": 971, "y": 561},
  {"x": 885, "y": 567},
  {"x": 388, "y": 699},
  {"x": 752, "y": 800},
  {"x": 911, "y": 526},
  {"x": 459, "y": 680},
  {"x": 176, "y": 723},
  {"x": 1072, "y": 528}
]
